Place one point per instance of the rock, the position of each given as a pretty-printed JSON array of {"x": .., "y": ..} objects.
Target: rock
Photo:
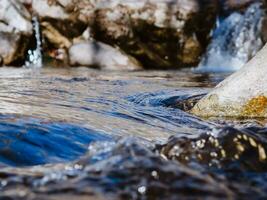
[
  {"x": 159, "y": 34},
  {"x": 15, "y": 31},
  {"x": 54, "y": 36},
  {"x": 97, "y": 54},
  {"x": 264, "y": 29},
  {"x": 59, "y": 27},
  {"x": 243, "y": 94},
  {"x": 1, "y": 61},
  {"x": 232, "y": 5},
  {"x": 56, "y": 13}
]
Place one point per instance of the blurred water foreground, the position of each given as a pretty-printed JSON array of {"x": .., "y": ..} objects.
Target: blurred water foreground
[{"x": 84, "y": 133}]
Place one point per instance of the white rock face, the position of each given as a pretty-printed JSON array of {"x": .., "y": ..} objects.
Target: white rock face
[
  {"x": 243, "y": 94},
  {"x": 101, "y": 55},
  {"x": 44, "y": 9},
  {"x": 14, "y": 14},
  {"x": 15, "y": 27}
]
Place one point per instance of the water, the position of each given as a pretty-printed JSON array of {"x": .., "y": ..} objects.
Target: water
[
  {"x": 235, "y": 41},
  {"x": 86, "y": 134},
  {"x": 34, "y": 55}
]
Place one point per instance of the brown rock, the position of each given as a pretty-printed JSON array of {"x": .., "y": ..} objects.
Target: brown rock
[
  {"x": 232, "y": 5},
  {"x": 159, "y": 34}
]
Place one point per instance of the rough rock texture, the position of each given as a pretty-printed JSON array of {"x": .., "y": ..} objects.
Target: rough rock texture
[
  {"x": 101, "y": 55},
  {"x": 243, "y": 94},
  {"x": 163, "y": 34},
  {"x": 15, "y": 31},
  {"x": 237, "y": 4},
  {"x": 159, "y": 34}
]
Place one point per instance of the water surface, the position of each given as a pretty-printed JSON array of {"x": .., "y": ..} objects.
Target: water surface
[{"x": 82, "y": 133}]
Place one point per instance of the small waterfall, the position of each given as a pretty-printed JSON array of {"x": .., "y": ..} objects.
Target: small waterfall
[
  {"x": 35, "y": 55},
  {"x": 235, "y": 40}
]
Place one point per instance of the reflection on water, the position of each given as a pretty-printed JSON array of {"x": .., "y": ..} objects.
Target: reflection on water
[
  {"x": 81, "y": 134},
  {"x": 118, "y": 104},
  {"x": 29, "y": 141}
]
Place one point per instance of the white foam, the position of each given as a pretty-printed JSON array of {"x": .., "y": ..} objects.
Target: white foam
[{"x": 235, "y": 41}]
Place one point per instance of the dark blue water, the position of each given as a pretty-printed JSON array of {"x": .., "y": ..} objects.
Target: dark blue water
[{"x": 29, "y": 141}]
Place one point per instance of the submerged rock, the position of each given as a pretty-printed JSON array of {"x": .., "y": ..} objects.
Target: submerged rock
[
  {"x": 228, "y": 149},
  {"x": 243, "y": 94},
  {"x": 15, "y": 31},
  {"x": 125, "y": 170},
  {"x": 97, "y": 54}
]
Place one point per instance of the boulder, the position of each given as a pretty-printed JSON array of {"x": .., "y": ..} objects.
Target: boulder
[
  {"x": 243, "y": 94},
  {"x": 100, "y": 55},
  {"x": 159, "y": 34},
  {"x": 15, "y": 31}
]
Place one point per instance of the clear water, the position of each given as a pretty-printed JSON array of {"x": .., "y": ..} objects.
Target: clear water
[{"x": 86, "y": 134}]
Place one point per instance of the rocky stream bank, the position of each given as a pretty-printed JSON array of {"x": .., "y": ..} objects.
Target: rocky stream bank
[{"x": 120, "y": 35}]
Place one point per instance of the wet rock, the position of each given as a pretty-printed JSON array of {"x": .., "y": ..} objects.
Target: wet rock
[
  {"x": 126, "y": 170},
  {"x": 228, "y": 149},
  {"x": 243, "y": 94},
  {"x": 15, "y": 31},
  {"x": 97, "y": 54}
]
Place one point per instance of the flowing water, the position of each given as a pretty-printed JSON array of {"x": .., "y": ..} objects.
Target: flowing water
[
  {"x": 78, "y": 133},
  {"x": 34, "y": 55},
  {"x": 236, "y": 40}
]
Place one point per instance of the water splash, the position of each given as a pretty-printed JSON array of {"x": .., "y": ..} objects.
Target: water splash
[
  {"x": 35, "y": 55},
  {"x": 235, "y": 40}
]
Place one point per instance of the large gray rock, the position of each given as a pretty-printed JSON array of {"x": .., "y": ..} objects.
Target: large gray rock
[
  {"x": 243, "y": 94},
  {"x": 15, "y": 30},
  {"x": 97, "y": 54}
]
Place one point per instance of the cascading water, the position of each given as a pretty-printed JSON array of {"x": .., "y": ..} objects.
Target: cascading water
[
  {"x": 35, "y": 55},
  {"x": 235, "y": 40}
]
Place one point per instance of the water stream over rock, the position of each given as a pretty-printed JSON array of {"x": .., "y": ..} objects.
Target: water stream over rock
[
  {"x": 236, "y": 39},
  {"x": 87, "y": 134},
  {"x": 35, "y": 59}
]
